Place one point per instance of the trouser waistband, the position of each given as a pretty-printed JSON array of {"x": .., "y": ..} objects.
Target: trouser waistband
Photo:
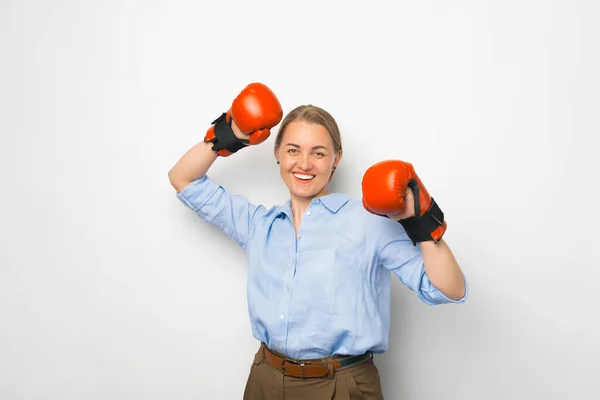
[{"x": 314, "y": 368}]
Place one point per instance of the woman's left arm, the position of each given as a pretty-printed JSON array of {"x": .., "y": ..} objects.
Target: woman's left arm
[
  {"x": 421, "y": 217},
  {"x": 442, "y": 269}
]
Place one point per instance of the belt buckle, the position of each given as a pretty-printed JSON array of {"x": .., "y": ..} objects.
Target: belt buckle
[{"x": 301, "y": 363}]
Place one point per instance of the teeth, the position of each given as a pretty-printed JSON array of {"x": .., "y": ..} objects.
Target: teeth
[{"x": 304, "y": 177}]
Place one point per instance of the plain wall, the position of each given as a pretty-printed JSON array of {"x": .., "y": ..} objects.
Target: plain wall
[{"x": 111, "y": 289}]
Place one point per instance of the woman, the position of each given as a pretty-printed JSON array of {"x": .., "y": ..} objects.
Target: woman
[{"x": 319, "y": 266}]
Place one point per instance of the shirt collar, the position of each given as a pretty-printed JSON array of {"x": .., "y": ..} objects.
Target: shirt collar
[{"x": 333, "y": 202}]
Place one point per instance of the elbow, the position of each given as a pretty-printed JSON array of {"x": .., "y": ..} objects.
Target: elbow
[
  {"x": 452, "y": 292},
  {"x": 176, "y": 181},
  {"x": 456, "y": 295},
  {"x": 456, "y": 292},
  {"x": 172, "y": 178}
]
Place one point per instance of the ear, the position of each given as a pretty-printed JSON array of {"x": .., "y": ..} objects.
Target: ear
[
  {"x": 276, "y": 153},
  {"x": 338, "y": 157}
]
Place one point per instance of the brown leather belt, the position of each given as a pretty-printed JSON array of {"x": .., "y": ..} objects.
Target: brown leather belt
[{"x": 317, "y": 368}]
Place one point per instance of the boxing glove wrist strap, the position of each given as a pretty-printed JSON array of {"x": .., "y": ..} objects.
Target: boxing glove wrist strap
[
  {"x": 225, "y": 139},
  {"x": 420, "y": 228}
]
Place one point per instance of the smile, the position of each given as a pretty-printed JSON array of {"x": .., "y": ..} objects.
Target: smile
[{"x": 303, "y": 178}]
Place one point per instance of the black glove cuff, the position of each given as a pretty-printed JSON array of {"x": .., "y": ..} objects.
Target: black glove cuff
[
  {"x": 419, "y": 228},
  {"x": 225, "y": 139}
]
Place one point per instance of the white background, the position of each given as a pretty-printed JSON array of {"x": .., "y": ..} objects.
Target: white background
[{"x": 111, "y": 289}]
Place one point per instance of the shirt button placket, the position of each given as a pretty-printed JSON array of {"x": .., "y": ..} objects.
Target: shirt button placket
[{"x": 283, "y": 318}]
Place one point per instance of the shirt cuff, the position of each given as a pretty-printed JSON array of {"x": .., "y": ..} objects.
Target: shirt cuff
[
  {"x": 433, "y": 296},
  {"x": 197, "y": 193}
]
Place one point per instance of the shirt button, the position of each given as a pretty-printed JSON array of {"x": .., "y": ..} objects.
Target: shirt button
[
  {"x": 308, "y": 213},
  {"x": 280, "y": 347},
  {"x": 299, "y": 237},
  {"x": 287, "y": 288},
  {"x": 282, "y": 316}
]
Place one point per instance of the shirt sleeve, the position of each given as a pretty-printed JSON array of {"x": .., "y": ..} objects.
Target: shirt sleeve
[
  {"x": 400, "y": 256},
  {"x": 233, "y": 214}
]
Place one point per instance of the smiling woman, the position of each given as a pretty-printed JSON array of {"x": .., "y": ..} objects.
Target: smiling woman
[
  {"x": 319, "y": 266},
  {"x": 308, "y": 148}
]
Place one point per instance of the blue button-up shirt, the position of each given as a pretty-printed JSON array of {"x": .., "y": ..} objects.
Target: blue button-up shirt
[{"x": 326, "y": 289}]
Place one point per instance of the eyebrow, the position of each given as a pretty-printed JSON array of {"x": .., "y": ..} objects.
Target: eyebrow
[{"x": 313, "y": 148}]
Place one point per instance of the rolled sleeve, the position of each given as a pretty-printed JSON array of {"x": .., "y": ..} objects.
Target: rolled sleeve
[
  {"x": 432, "y": 296},
  {"x": 233, "y": 214},
  {"x": 398, "y": 254},
  {"x": 197, "y": 193}
]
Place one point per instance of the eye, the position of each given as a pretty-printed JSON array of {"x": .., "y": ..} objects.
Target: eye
[
  {"x": 319, "y": 154},
  {"x": 292, "y": 151}
]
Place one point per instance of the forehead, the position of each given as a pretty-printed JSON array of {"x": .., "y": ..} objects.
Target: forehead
[{"x": 306, "y": 134}]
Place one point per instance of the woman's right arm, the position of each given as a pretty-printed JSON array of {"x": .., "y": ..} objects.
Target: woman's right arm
[
  {"x": 196, "y": 161},
  {"x": 192, "y": 165},
  {"x": 249, "y": 120}
]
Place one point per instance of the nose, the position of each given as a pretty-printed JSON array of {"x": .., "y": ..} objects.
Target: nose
[{"x": 304, "y": 163}]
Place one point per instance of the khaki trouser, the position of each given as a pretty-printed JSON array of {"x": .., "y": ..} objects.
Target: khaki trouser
[{"x": 359, "y": 382}]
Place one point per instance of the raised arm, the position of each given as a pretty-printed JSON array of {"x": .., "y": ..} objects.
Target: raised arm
[
  {"x": 392, "y": 188},
  {"x": 192, "y": 165},
  {"x": 248, "y": 122}
]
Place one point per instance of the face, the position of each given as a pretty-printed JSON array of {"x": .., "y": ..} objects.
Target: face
[{"x": 307, "y": 158}]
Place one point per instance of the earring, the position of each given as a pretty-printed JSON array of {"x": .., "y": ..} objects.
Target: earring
[
  {"x": 277, "y": 162},
  {"x": 334, "y": 167}
]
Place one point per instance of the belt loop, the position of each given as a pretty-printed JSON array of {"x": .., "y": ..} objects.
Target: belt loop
[{"x": 329, "y": 363}]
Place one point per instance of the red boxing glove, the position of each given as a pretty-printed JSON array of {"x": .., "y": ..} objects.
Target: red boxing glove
[
  {"x": 383, "y": 188},
  {"x": 255, "y": 111}
]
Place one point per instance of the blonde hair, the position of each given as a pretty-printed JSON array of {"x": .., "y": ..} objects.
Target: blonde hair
[{"x": 315, "y": 115}]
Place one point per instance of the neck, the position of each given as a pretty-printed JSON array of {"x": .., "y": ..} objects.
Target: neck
[{"x": 300, "y": 204}]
